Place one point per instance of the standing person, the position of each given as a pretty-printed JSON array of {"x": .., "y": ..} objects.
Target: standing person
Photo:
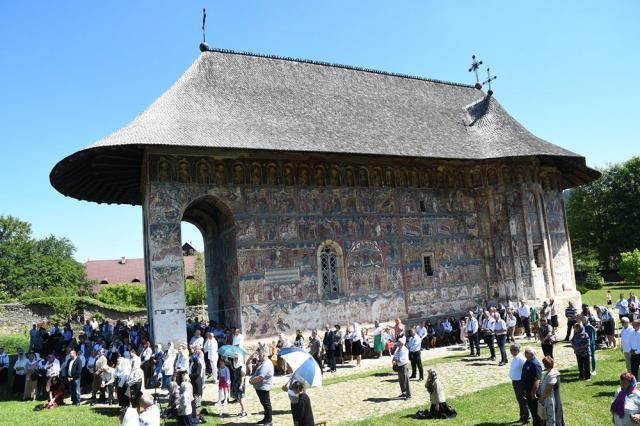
[
  {"x": 210, "y": 349},
  {"x": 224, "y": 382},
  {"x": 238, "y": 382},
  {"x": 315, "y": 348},
  {"x": 592, "y": 333},
  {"x": 554, "y": 314},
  {"x": 625, "y": 341},
  {"x": 262, "y": 380},
  {"x": 550, "y": 394},
  {"x": 524, "y": 312},
  {"x": 400, "y": 361},
  {"x": 500, "y": 330},
  {"x": 53, "y": 370},
  {"x": 625, "y": 407},
  {"x": 531, "y": 375},
  {"x": 356, "y": 343},
  {"x": 167, "y": 366},
  {"x": 473, "y": 334},
  {"x": 301, "y": 412},
  {"x": 547, "y": 338},
  {"x": 96, "y": 382},
  {"x": 515, "y": 374},
  {"x": 238, "y": 338},
  {"x": 107, "y": 380},
  {"x": 398, "y": 329},
  {"x": 135, "y": 382},
  {"x": 123, "y": 369},
  {"x": 19, "y": 372},
  {"x": 378, "y": 344},
  {"x": 609, "y": 299},
  {"x": 582, "y": 348},
  {"x": 622, "y": 305},
  {"x": 31, "y": 378},
  {"x": 635, "y": 348},
  {"x": 607, "y": 325},
  {"x": 185, "y": 415},
  {"x": 570, "y": 313},
  {"x": 463, "y": 332},
  {"x": 74, "y": 370},
  {"x": 511, "y": 325},
  {"x": 196, "y": 377},
  {"x": 414, "y": 345},
  {"x": 329, "y": 342},
  {"x": 488, "y": 325},
  {"x": 4, "y": 367}
]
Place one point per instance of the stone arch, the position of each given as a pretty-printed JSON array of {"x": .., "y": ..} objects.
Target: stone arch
[
  {"x": 331, "y": 274},
  {"x": 214, "y": 219}
]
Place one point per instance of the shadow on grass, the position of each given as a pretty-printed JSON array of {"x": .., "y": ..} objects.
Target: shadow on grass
[
  {"x": 610, "y": 383},
  {"x": 379, "y": 400},
  {"x": 384, "y": 374},
  {"x": 604, "y": 393}
]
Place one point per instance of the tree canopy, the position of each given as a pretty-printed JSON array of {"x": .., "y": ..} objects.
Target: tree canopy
[
  {"x": 604, "y": 216},
  {"x": 28, "y": 264}
]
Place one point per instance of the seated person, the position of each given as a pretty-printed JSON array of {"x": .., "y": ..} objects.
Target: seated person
[{"x": 439, "y": 408}]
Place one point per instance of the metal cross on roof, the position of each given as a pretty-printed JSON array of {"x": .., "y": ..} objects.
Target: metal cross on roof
[
  {"x": 474, "y": 67},
  {"x": 204, "y": 46},
  {"x": 488, "y": 81}
]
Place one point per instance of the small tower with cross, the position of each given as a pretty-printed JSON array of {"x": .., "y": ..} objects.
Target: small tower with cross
[
  {"x": 475, "y": 64},
  {"x": 488, "y": 82}
]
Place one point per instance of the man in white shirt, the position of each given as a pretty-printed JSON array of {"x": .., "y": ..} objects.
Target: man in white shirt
[
  {"x": 473, "y": 334},
  {"x": 622, "y": 305},
  {"x": 238, "y": 338},
  {"x": 488, "y": 326},
  {"x": 515, "y": 374},
  {"x": 524, "y": 311},
  {"x": 625, "y": 341},
  {"x": 635, "y": 348},
  {"x": 53, "y": 370},
  {"x": 4, "y": 367},
  {"x": 197, "y": 341},
  {"x": 400, "y": 361}
]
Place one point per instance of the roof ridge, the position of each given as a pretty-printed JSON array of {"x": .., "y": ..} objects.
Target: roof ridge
[{"x": 334, "y": 65}]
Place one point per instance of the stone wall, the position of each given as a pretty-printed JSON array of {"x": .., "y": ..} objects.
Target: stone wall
[
  {"x": 17, "y": 318},
  {"x": 493, "y": 231}
]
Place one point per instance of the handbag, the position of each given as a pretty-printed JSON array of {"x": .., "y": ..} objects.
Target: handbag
[
  {"x": 542, "y": 411},
  {"x": 396, "y": 367}
]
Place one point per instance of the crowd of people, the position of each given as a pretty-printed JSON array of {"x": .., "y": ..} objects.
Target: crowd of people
[{"x": 116, "y": 363}]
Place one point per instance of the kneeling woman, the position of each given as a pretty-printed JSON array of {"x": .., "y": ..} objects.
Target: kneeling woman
[{"x": 439, "y": 407}]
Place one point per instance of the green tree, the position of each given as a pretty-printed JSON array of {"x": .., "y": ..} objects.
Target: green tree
[
  {"x": 604, "y": 216},
  {"x": 630, "y": 266},
  {"x": 28, "y": 264},
  {"x": 196, "y": 289}
]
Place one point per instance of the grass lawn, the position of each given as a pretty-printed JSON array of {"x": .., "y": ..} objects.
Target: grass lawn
[
  {"x": 599, "y": 297},
  {"x": 584, "y": 403}
]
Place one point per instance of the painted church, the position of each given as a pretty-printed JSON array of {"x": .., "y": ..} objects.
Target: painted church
[{"x": 331, "y": 194}]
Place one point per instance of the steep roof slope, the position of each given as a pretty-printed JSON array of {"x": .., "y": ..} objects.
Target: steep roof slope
[{"x": 244, "y": 101}]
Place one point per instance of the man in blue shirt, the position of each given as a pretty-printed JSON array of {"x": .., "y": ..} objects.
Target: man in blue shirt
[
  {"x": 530, "y": 380},
  {"x": 622, "y": 306},
  {"x": 415, "y": 345}
]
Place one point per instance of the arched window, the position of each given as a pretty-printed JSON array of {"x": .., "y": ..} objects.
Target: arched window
[
  {"x": 104, "y": 281},
  {"x": 330, "y": 269},
  {"x": 135, "y": 280}
]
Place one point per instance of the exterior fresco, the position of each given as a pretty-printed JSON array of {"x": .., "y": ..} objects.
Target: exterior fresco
[{"x": 477, "y": 223}]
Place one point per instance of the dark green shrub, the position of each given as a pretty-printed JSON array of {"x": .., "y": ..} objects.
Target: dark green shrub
[
  {"x": 594, "y": 281},
  {"x": 630, "y": 266},
  {"x": 126, "y": 295}
]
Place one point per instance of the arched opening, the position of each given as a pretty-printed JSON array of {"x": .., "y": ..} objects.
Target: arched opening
[
  {"x": 215, "y": 222},
  {"x": 330, "y": 270}
]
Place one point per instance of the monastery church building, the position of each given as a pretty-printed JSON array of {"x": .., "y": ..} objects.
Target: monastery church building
[{"x": 333, "y": 194}]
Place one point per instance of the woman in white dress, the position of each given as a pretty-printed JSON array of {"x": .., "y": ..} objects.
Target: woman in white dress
[
  {"x": 550, "y": 409},
  {"x": 625, "y": 407}
]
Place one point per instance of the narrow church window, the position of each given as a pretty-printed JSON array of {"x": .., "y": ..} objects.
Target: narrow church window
[
  {"x": 428, "y": 266},
  {"x": 423, "y": 207},
  {"x": 537, "y": 256},
  {"x": 329, "y": 273}
]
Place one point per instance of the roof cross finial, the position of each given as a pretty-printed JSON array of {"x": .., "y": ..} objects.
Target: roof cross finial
[
  {"x": 488, "y": 82},
  {"x": 204, "y": 46},
  {"x": 474, "y": 67}
]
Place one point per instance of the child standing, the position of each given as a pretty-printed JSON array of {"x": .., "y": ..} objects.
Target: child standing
[
  {"x": 224, "y": 384},
  {"x": 608, "y": 297}
]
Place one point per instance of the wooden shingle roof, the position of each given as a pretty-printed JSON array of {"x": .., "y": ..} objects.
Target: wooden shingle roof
[{"x": 240, "y": 100}]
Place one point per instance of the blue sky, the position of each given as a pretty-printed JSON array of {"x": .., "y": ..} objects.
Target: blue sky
[{"x": 71, "y": 72}]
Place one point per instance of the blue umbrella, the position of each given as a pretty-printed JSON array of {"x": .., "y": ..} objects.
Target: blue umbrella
[
  {"x": 229, "y": 351},
  {"x": 302, "y": 364}
]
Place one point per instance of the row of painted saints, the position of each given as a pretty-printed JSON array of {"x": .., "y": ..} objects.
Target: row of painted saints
[{"x": 347, "y": 176}]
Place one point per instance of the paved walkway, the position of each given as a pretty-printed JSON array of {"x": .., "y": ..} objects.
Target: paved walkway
[{"x": 376, "y": 395}]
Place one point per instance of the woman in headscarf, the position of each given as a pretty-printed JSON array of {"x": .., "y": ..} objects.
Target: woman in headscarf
[
  {"x": 185, "y": 410},
  {"x": 123, "y": 369},
  {"x": 439, "y": 408},
  {"x": 238, "y": 382},
  {"x": 31, "y": 378},
  {"x": 135, "y": 382},
  {"x": 582, "y": 348},
  {"x": 19, "y": 372},
  {"x": 550, "y": 395},
  {"x": 625, "y": 407},
  {"x": 378, "y": 344},
  {"x": 356, "y": 343}
]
